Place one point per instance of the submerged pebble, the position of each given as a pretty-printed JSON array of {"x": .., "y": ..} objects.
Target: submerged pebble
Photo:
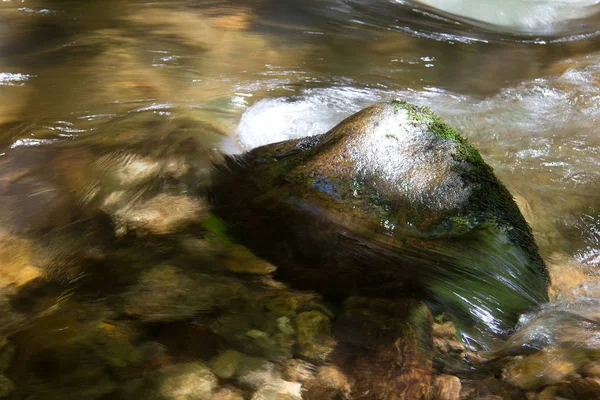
[
  {"x": 547, "y": 367},
  {"x": 313, "y": 331},
  {"x": 160, "y": 215},
  {"x": 445, "y": 387},
  {"x": 167, "y": 293},
  {"x": 184, "y": 382}
]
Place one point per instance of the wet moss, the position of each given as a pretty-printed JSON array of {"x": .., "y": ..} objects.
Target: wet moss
[
  {"x": 491, "y": 201},
  {"x": 218, "y": 228},
  {"x": 440, "y": 129},
  {"x": 306, "y": 201}
]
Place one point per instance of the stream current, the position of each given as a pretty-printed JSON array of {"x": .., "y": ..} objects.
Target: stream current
[{"x": 91, "y": 93}]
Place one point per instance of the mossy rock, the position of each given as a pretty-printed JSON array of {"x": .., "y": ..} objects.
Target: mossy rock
[{"x": 392, "y": 201}]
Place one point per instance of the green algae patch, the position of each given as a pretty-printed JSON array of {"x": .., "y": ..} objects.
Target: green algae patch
[
  {"x": 442, "y": 130},
  {"x": 218, "y": 228}
]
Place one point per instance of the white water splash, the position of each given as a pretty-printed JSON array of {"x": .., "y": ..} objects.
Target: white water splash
[
  {"x": 544, "y": 17},
  {"x": 315, "y": 112},
  {"x": 9, "y": 79}
]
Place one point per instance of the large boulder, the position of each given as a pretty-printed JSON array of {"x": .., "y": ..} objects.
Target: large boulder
[{"x": 390, "y": 202}]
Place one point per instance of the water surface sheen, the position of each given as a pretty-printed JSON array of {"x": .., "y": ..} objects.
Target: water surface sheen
[{"x": 113, "y": 103}]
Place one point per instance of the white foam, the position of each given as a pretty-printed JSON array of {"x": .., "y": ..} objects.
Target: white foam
[
  {"x": 315, "y": 112},
  {"x": 527, "y": 16}
]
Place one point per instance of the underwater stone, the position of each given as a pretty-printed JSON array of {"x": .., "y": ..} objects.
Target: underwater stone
[
  {"x": 384, "y": 348},
  {"x": 329, "y": 383},
  {"x": 313, "y": 333},
  {"x": 242, "y": 261},
  {"x": 280, "y": 390},
  {"x": 446, "y": 387},
  {"x": 296, "y": 370},
  {"x": 390, "y": 201},
  {"x": 124, "y": 169},
  {"x": 254, "y": 372},
  {"x": 547, "y": 367},
  {"x": 16, "y": 267},
  {"x": 186, "y": 381},
  {"x": 167, "y": 293},
  {"x": 160, "y": 215},
  {"x": 444, "y": 330},
  {"x": 226, "y": 363}
]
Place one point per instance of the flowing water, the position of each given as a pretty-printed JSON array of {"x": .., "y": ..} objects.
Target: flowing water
[{"x": 104, "y": 103}]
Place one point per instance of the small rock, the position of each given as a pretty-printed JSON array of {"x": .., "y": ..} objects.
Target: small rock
[
  {"x": 591, "y": 369},
  {"x": 384, "y": 348},
  {"x": 127, "y": 169},
  {"x": 161, "y": 215},
  {"x": 283, "y": 305},
  {"x": 242, "y": 260},
  {"x": 285, "y": 326},
  {"x": 225, "y": 364},
  {"x": 298, "y": 370},
  {"x": 16, "y": 268},
  {"x": 165, "y": 293},
  {"x": 446, "y": 387},
  {"x": 113, "y": 343},
  {"x": 329, "y": 383},
  {"x": 254, "y": 372},
  {"x": 586, "y": 388},
  {"x": 448, "y": 345},
  {"x": 186, "y": 381},
  {"x": 280, "y": 390},
  {"x": 176, "y": 167},
  {"x": 313, "y": 330},
  {"x": 568, "y": 278},
  {"x": 543, "y": 368},
  {"x": 549, "y": 393},
  {"x": 444, "y": 330}
]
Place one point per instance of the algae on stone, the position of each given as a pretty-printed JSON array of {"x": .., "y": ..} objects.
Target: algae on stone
[
  {"x": 390, "y": 201},
  {"x": 313, "y": 331}
]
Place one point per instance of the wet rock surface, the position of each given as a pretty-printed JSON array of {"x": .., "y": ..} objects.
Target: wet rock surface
[{"x": 405, "y": 202}]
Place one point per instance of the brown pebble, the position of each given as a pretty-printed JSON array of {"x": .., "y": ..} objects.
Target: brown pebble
[
  {"x": 586, "y": 388},
  {"x": 448, "y": 345},
  {"x": 540, "y": 369},
  {"x": 591, "y": 369},
  {"x": 446, "y": 387},
  {"x": 444, "y": 330},
  {"x": 329, "y": 383},
  {"x": 298, "y": 370}
]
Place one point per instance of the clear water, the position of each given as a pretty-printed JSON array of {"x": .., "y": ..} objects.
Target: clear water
[{"x": 80, "y": 81}]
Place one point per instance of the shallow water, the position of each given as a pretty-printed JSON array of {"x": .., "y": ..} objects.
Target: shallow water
[{"x": 102, "y": 103}]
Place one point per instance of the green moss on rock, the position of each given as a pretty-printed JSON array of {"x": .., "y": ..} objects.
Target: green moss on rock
[
  {"x": 439, "y": 128},
  {"x": 390, "y": 201}
]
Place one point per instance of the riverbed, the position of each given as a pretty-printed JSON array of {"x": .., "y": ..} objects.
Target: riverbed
[{"x": 105, "y": 103}]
